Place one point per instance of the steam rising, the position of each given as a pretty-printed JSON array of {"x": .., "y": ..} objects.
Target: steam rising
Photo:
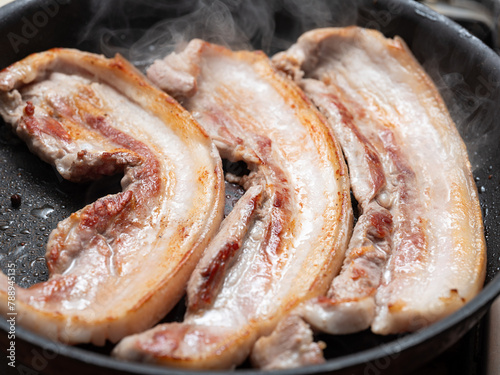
[
  {"x": 470, "y": 110},
  {"x": 145, "y": 30},
  {"x": 267, "y": 25},
  {"x": 210, "y": 21},
  {"x": 469, "y": 91}
]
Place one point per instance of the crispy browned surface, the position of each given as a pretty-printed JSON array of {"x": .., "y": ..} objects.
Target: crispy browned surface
[
  {"x": 284, "y": 240},
  {"x": 119, "y": 264},
  {"x": 417, "y": 253}
]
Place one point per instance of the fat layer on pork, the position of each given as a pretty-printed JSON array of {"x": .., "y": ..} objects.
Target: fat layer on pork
[
  {"x": 118, "y": 265},
  {"x": 417, "y": 253},
  {"x": 285, "y": 238}
]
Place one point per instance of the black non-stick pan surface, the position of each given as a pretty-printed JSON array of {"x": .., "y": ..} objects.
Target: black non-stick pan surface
[{"x": 33, "y": 197}]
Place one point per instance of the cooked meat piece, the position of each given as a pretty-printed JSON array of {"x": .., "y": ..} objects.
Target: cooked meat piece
[
  {"x": 121, "y": 263},
  {"x": 284, "y": 240},
  {"x": 417, "y": 253},
  {"x": 290, "y": 345}
]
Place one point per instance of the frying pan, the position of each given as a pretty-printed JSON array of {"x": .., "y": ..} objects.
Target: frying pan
[{"x": 465, "y": 70}]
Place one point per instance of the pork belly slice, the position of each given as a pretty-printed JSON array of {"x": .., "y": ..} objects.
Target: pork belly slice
[
  {"x": 118, "y": 265},
  {"x": 290, "y": 345},
  {"x": 417, "y": 253},
  {"x": 284, "y": 240}
]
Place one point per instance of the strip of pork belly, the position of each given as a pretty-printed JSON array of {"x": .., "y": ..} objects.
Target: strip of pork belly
[
  {"x": 286, "y": 237},
  {"x": 118, "y": 265},
  {"x": 290, "y": 345},
  {"x": 417, "y": 253}
]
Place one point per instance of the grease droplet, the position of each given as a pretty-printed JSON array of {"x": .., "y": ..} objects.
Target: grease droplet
[
  {"x": 5, "y": 225},
  {"x": 18, "y": 250},
  {"x": 464, "y": 34},
  {"x": 42, "y": 212},
  {"x": 426, "y": 14}
]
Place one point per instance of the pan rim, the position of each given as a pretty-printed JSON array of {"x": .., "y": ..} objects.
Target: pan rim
[{"x": 482, "y": 301}]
